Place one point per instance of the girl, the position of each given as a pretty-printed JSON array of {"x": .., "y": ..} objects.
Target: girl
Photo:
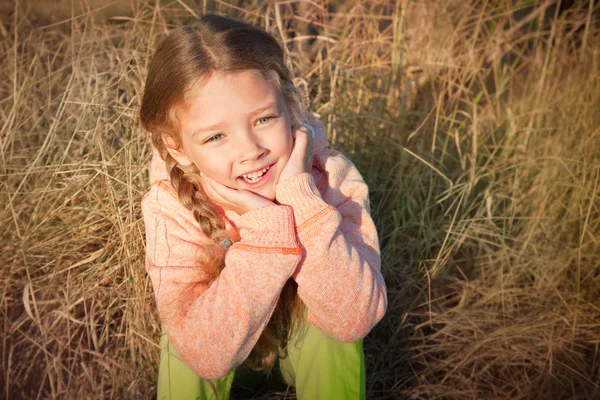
[{"x": 260, "y": 246}]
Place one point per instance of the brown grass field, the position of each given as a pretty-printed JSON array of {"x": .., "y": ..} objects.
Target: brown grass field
[{"x": 475, "y": 123}]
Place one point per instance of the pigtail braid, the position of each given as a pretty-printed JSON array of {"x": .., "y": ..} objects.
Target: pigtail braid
[{"x": 189, "y": 189}]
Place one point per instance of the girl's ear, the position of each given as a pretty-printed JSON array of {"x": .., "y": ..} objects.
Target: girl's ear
[{"x": 176, "y": 151}]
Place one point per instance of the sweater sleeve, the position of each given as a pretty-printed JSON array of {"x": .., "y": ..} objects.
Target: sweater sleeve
[
  {"x": 339, "y": 277},
  {"x": 214, "y": 326}
]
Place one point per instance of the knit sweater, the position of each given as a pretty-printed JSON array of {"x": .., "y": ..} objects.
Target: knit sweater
[{"x": 320, "y": 234}]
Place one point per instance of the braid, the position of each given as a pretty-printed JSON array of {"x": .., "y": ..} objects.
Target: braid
[{"x": 189, "y": 190}]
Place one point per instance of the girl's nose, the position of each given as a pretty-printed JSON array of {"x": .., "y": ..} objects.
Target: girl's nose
[{"x": 251, "y": 149}]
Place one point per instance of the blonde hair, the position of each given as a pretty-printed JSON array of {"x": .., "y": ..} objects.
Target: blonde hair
[{"x": 182, "y": 60}]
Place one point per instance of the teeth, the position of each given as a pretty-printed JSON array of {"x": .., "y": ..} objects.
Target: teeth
[{"x": 255, "y": 176}]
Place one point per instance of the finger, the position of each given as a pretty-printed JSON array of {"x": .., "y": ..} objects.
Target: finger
[
  {"x": 301, "y": 140},
  {"x": 303, "y": 147},
  {"x": 310, "y": 138},
  {"x": 212, "y": 193},
  {"x": 309, "y": 135},
  {"x": 226, "y": 193}
]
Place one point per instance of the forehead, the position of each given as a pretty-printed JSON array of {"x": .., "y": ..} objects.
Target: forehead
[{"x": 225, "y": 94}]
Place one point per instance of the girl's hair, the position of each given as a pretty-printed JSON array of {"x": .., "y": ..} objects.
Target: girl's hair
[{"x": 181, "y": 62}]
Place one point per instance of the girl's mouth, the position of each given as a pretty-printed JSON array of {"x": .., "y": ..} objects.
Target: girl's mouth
[{"x": 257, "y": 179}]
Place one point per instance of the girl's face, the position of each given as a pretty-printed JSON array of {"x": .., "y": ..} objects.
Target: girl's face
[{"x": 236, "y": 130}]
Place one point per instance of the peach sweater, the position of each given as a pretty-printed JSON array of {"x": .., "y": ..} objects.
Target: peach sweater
[{"x": 320, "y": 234}]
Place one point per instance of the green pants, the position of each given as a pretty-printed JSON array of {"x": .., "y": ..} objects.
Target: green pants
[{"x": 317, "y": 365}]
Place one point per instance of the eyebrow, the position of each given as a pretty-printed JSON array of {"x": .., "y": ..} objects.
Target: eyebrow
[
  {"x": 220, "y": 125},
  {"x": 214, "y": 127},
  {"x": 272, "y": 104}
]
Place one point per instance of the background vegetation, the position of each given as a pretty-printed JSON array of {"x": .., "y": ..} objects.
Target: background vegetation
[{"x": 476, "y": 125}]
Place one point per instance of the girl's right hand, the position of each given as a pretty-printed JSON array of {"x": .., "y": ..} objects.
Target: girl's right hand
[{"x": 239, "y": 200}]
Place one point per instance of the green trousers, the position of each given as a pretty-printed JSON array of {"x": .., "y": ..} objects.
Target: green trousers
[{"x": 318, "y": 366}]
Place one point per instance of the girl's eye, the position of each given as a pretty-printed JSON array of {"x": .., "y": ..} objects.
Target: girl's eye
[
  {"x": 264, "y": 120},
  {"x": 214, "y": 138}
]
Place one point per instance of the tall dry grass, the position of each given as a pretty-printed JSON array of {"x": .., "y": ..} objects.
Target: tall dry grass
[{"x": 476, "y": 125}]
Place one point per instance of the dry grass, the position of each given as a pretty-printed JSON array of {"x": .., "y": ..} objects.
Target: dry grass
[{"x": 475, "y": 124}]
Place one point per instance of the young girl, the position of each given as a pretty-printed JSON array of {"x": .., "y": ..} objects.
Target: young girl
[{"x": 260, "y": 246}]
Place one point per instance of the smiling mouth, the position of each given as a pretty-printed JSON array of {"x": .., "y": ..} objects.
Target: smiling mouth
[{"x": 255, "y": 176}]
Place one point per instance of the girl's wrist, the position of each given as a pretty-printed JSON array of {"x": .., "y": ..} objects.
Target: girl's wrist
[
  {"x": 269, "y": 226},
  {"x": 301, "y": 193}
]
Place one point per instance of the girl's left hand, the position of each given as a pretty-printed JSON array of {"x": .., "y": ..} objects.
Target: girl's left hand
[{"x": 301, "y": 158}]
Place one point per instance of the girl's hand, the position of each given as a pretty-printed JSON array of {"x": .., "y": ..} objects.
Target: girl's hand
[
  {"x": 301, "y": 158},
  {"x": 239, "y": 200}
]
